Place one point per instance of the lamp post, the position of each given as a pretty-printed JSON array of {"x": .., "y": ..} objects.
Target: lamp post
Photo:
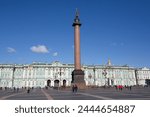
[
  {"x": 136, "y": 77},
  {"x": 90, "y": 76},
  {"x": 13, "y": 76},
  {"x": 1, "y": 77},
  {"x": 55, "y": 76},
  {"x": 105, "y": 75},
  {"x": 58, "y": 73},
  {"x": 94, "y": 76},
  {"x": 60, "y": 76},
  {"x": 0, "y": 81},
  {"x": 111, "y": 77}
]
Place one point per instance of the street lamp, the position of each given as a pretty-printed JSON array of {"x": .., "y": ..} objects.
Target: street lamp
[
  {"x": 60, "y": 76},
  {"x": 90, "y": 76},
  {"x": 60, "y": 73},
  {"x": 13, "y": 76},
  {"x": 94, "y": 76},
  {"x": 55, "y": 78},
  {"x": 106, "y": 79},
  {"x": 0, "y": 82},
  {"x": 1, "y": 77},
  {"x": 136, "y": 77}
]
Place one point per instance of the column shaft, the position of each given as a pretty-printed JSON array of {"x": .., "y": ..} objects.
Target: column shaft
[{"x": 77, "y": 47}]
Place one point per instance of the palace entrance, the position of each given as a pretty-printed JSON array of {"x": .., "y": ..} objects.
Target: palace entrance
[
  {"x": 64, "y": 83},
  {"x": 147, "y": 82},
  {"x": 49, "y": 83},
  {"x": 56, "y": 83}
]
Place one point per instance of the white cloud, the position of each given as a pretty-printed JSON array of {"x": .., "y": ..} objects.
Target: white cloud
[
  {"x": 39, "y": 49},
  {"x": 55, "y": 54},
  {"x": 11, "y": 50}
]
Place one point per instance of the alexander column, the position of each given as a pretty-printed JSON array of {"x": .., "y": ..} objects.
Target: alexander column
[{"x": 77, "y": 74}]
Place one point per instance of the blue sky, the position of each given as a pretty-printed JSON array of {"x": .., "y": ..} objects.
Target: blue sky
[{"x": 41, "y": 30}]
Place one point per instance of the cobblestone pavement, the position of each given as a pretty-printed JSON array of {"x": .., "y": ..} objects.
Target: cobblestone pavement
[{"x": 137, "y": 93}]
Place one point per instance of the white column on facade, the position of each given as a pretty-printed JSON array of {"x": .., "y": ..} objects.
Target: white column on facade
[
  {"x": 0, "y": 73},
  {"x": 51, "y": 73},
  {"x": 23, "y": 73},
  {"x": 52, "y": 83},
  {"x": 46, "y": 73},
  {"x": 86, "y": 74},
  {"x": 31, "y": 75},
  {"x": 96, "y": 75},
  {"x": 148, "y": 74}
]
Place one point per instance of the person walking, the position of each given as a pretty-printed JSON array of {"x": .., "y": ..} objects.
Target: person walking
[
  {"x": 130, "y": 88},
  {"x": 73, "y": 88},
  {"x": 28, "y": 90},
  {"x": 76, "y": 88},
  {"x": 17, "y": 89}
]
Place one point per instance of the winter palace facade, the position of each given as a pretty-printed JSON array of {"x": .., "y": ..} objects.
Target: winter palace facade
[{"x": 57, "y": 74}]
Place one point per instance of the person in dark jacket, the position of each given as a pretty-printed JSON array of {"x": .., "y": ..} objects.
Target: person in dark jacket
[{"x": 75, "y": 88}]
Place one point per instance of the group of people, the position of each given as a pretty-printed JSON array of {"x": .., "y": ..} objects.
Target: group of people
[
  {"x": 74, "y": 88},
  {"x": 120, "y": 87},
  {"x": 1, "y": 88},
  {"x": 28, "y": 90},
  {"x": 5, "y": 88},
  {"x": 16, "y": 89}
]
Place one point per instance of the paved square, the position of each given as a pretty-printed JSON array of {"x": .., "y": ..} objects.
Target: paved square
[{"x": 137, "y": 93}]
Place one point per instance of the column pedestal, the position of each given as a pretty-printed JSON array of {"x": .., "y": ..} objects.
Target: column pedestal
[{"x": 78, "y": 79}]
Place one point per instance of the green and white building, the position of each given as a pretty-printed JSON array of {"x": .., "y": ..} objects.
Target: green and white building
[{"x": 56, "y": 74}]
